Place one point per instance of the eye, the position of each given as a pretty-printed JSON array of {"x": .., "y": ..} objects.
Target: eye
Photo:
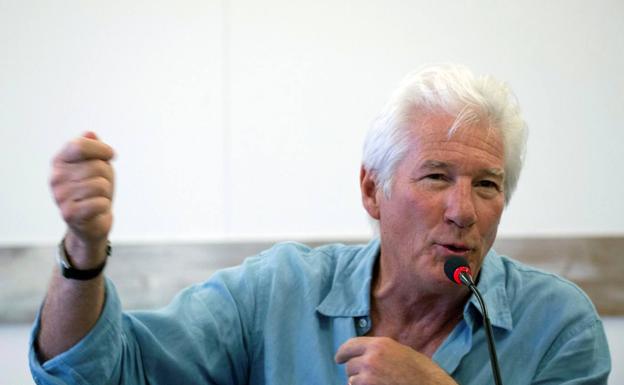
[
  {"x": 435, "y": 180},
  {"x": 488, "y": 184},
  {"x": 436, "y": 177}
]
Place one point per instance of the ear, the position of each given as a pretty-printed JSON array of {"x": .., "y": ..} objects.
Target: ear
[{"x": 370, "y": 192}]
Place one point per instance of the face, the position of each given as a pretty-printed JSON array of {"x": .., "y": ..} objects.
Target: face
[{"x": 446, "y": 199}]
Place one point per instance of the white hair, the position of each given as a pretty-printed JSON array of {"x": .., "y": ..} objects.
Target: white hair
[{"x": 453, "y": 90}]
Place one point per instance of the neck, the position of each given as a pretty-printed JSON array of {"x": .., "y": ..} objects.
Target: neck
[
  {"x": 404, "y": 308},
  {"x": 408, "y": 302}
]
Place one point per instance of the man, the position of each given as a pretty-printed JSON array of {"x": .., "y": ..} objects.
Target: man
[{"x": 439, "y": 166}]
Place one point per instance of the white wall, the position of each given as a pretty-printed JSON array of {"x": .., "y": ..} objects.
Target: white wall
[{"x": 244, "y": 119}]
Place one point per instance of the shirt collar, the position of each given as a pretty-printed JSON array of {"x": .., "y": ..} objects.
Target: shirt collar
[
  {"x": 349, "y": 295},
  {"x": 492, "y": 287}
]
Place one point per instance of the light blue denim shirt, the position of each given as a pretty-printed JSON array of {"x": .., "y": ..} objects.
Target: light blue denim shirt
[{"x": 280, "y": 317}]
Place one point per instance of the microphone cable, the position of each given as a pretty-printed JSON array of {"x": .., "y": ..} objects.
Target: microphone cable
[{"x": 457, "y": 270}]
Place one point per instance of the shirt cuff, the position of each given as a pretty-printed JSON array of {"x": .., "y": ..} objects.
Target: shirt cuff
[{"x": 76, "y": 365}]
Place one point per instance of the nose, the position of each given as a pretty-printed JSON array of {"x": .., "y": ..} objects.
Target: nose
[{"x": 460, "y": 206}]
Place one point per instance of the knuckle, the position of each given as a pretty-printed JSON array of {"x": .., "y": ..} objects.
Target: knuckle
[
  {"x": 78, "y": 148},
  {"x": 368, "y": 361},
  {"x": 68, "y": 212},
  {"x": 78, "y": 213},
  {"x": 88, "y": 170},
  {"x": 74, "y": 147},
  {"x": 54, "y": 178},
  {"x": 102, "y": 169},
  {"x": 111, "y": 171},
  {"x": 366, "y": 379},
  {"x": 376, "y": 344},
  {"x": 383, "y": 342},
  {"x": 59, "y": 193},
  {"x": 352, "y": 367},
  {"x": 84, "y": 214},
  {"x": 108, "y": 168},
  {"x": 58, "y": 158},
  {"x": 99, "y": 185},
  {"x": 57, "y": 176},
  {"x": 105, "y": 188},
  {"x": 79, "y": 142}
]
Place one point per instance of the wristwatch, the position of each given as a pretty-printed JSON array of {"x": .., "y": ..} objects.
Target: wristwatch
[{"x": 68, "y": 271}]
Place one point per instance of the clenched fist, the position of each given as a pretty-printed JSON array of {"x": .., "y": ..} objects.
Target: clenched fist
[{"x": 82, "y": 183}]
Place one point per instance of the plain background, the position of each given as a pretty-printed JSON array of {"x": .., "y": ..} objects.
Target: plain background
[{"x": 243, "y": 120}]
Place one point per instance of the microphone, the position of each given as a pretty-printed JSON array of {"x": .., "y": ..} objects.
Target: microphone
[{"x": 457, "y": 270}]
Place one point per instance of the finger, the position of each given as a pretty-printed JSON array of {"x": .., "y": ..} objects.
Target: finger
[
  {"x": 79, "y": 212},
  {"x": 76, "y": 172},
  {"x": 355, "y": 380},
  {"x": 93, "y": 188},
  {"x": 85, "y": 148},
  {"x": 90, "y": 135},
  {"x": 359, "y": 379},
  {"x": 352, "y": 348},
  {"x": 85, "y": 189},
  {"x": 94, "y": 230},
  {"x": 353, "y": 366}
]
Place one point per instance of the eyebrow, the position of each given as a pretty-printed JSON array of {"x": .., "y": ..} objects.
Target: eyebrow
[
  {"x": 431, "y": 164},
  {"x": 494, "y": 172},
  {"x": 436, "y": 164}
]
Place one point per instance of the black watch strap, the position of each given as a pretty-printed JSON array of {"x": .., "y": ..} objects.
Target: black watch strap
[{"x": 68, "y": 271}]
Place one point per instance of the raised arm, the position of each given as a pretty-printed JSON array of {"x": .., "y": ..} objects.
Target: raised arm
[{"x": 82, "y": 183}]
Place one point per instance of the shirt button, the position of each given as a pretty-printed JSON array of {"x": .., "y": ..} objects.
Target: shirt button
[{"x": 362, "y": 323}]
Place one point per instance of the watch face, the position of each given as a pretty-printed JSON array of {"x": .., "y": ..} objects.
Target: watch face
[{"x": 62, "y": 255}]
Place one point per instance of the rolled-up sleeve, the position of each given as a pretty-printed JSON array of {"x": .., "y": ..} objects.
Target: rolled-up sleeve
[
  {"x": 96, "y": 354},
  {"x": 201, "y": 337}
]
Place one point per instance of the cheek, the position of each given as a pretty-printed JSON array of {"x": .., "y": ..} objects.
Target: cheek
[
  {"x": 490, "y": 220},
  {"x": 408, "y": 209}
]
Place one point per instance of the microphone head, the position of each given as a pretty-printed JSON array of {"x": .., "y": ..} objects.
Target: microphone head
[{"x": 454, "y": 266}]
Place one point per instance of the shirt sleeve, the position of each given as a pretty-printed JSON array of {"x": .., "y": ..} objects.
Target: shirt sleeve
[
  {"x": 203, "y": 336},
  {"x": 579, "y": 356}
]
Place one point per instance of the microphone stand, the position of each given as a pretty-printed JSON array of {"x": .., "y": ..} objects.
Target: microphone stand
[{"x": 467, "y": 281}]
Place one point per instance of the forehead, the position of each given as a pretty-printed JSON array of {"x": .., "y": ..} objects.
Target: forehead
[{"x": 476, "y": 144}]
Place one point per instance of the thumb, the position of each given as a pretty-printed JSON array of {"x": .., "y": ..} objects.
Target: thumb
[{"x": 90, "y": 135}]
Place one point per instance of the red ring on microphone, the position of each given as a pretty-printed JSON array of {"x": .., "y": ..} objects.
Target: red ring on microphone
[{"x": 458, "y": 271}]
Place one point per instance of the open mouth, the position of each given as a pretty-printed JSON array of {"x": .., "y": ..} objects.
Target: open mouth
[{"x": 458, "y": 249}]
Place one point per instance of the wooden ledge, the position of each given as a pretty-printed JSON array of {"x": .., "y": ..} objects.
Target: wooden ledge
[{"x": 148, "y": 276}]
